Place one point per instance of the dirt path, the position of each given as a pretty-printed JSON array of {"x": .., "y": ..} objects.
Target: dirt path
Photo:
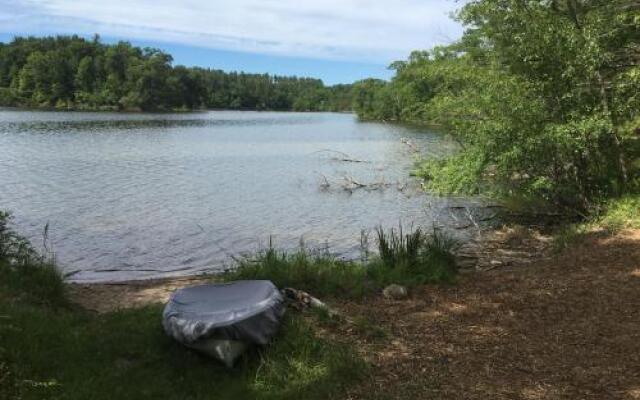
[{"x": 565, "y": 327}]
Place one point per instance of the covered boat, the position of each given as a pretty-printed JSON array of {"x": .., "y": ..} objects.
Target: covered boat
[{"x": 224, "y": 319}]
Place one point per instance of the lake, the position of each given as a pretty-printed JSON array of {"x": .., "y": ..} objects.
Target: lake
[{"x": 131, "y": 196}]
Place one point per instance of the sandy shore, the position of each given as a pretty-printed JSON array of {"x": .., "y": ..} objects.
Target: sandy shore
[{"x": 105, "y": 297}]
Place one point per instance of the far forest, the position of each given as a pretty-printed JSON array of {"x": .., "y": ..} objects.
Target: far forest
[{"x": 70, "y": 72}]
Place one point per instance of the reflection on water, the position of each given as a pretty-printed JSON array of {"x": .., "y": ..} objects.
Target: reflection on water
[{"x": 139, "y": 195}]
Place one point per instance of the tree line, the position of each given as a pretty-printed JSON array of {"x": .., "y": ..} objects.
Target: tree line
[
  {"x": 70, "y": 72},
  {"x": 543, "y": 97}
]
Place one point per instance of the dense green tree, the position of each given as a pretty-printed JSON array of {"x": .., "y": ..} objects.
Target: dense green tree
[
  {"x": 542, "y": 96},
  {"x": 85, "y": 75},
  {"x": 71, "y": 72},
  {"x": 369, "y": 99}
]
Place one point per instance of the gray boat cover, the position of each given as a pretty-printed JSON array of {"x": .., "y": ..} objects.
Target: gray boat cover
[{"x": 242, "y": 312}]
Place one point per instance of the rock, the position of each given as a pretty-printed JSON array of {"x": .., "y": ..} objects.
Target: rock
[{"x": 395, "y": 292}]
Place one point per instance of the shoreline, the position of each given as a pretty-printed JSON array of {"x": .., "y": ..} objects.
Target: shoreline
[
  {"x": 504, "y": 247},
  {"x": 161, "y": 112},
  {"x": 104, "y": 297},
  {"x": 515, "y": 316}
]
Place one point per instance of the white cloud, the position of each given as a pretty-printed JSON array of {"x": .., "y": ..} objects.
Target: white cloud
[{"x": 362, "y": 30}]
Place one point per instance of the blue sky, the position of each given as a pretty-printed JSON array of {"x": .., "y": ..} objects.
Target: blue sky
[{"x": 339, "y": 41}]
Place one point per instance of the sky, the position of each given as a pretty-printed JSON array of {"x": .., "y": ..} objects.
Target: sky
[{"x": 339, "y": 41}]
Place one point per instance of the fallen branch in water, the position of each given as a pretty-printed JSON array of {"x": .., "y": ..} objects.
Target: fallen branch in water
[
  {"x": 344, "y": 157},
  {"x": 414, "y": 148},
  {"x": 350, "y": 184},
  {"x": 324, "y": 185}
]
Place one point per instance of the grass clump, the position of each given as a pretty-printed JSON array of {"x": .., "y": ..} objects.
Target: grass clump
[
  {"x": 621, "y": 214},
  {"x": 319, "y": 273},
  {"x": 27, "y": 275},
  {"x": 414, "y": 258},
  {"x": 304, "y": 366},
  {"x": 615, "y": 215},
  {"x": 410, "y": 259}
]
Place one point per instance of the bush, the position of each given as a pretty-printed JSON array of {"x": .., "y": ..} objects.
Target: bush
[
  {"x": 7, "y": 97},
  {"x": 529, "y": 95}
]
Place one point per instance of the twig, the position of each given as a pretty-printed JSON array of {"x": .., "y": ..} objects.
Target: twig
[
  {"x": 343, "y": 156},
  {"x": 354, "y": 182},
  {"x": 325, "y": 183}
]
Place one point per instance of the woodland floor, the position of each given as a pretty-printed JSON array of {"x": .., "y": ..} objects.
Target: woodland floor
[{"x": 565, "y": 326}]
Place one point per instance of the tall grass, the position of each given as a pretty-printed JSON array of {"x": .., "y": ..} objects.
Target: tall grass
[
  {"x": 317, "y": 273},
  {"x": 410, "y": 259},
  {"x": 397, "y": 249},
  {"x": 414, "y": 257},
  {"x": 26, "y": 274}
]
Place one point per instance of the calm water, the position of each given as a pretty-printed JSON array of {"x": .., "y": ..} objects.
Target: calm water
[{"x": 138, "y": 195}]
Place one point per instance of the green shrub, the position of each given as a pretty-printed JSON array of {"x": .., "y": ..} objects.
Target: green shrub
[
  {"x": 7, "y": 97},
  {"x": 529, "y": 94}
]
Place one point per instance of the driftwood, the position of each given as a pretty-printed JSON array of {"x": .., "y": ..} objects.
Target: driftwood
[
  {"x": 344, "y": 157},
  {"x": 301, "y": 300},
  {"x": 351, "y": 184},
  {"x": 414, "y": 148}
]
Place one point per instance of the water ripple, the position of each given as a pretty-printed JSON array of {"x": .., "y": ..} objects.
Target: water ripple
[{"x": 136, "y": 195}]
